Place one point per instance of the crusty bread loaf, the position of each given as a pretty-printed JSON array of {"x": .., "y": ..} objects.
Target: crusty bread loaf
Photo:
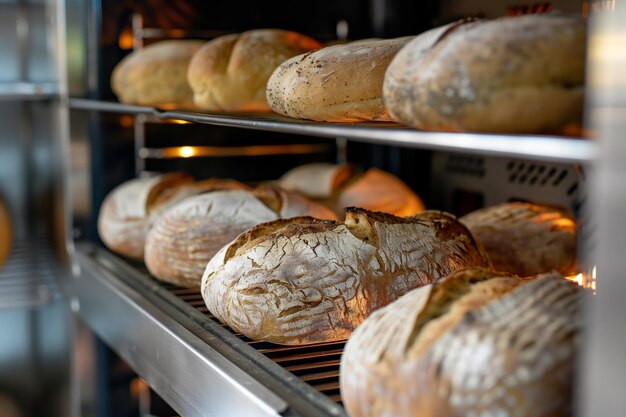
[
  {"x": 525, "y": 238},
  {"x": 156, "y": 75},
  {"x": 299, "y": 281},
  {"x": 230, "y": 72},
  {"x": 128, "y": 210},
  {"x": 474, "y": 343},
  {"x": 6, "y": 233},
  {"x": 341, "y": 83},
  {"x": 512, "y": 74},
  {"x": 187, "y": 235},
  {"x": 341, "y": 185}
]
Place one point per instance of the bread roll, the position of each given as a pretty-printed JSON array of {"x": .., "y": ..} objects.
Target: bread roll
[
  {"x": 230, "y": 72},
  {"x": 341, "y": 83},
  {"x": 6, "y": 233},
  {"x": 342, "y": 185},
  {"x": 476, "y": 343},
  {"x": 525, "y": 238},
  {"x": 300, "y": 281},
  {"x": 512, "y": 74},
  {"x": 128, "y": 211},
  {"x": 188, "y": 234},
  {"x": 156, "y": 75}
]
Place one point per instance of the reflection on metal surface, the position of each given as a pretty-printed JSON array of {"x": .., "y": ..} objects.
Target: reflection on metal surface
[
  {"x": 585, "y": 279},
  {"x": 227, "y": 151}
]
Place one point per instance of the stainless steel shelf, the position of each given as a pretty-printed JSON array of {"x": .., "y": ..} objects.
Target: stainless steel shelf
[
  {"x": 200, "y": 367},
  {"x": 28, "y": 91},
  {"x": 534, "y": 147}
]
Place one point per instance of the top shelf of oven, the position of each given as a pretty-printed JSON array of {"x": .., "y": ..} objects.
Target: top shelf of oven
[{"x": 535, "y": 147}]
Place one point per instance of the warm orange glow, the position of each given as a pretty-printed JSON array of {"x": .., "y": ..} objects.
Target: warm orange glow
[
  {"x": 585, "y": 279},
  {"x": 186, "y": 151},
  {"x": 127, "y": 121},
  {"x": 125, "y": 40},
  {"x": 578, "y": 279},
  {"x": 178, "y": 122}
]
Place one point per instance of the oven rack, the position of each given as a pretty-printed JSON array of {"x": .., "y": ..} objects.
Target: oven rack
[
  {"x": 562, "y": 149},
  {"x": 198, "y": 365}
]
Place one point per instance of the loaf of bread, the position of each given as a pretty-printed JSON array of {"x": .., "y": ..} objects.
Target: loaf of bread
[
  {"x": 187, "y": 235},
  {"x": 477, "y": 343},
  {"x": 230, "y": 72},
  {"x": 341, "y": 83},
  {"x": 341, "y": 185},
  {"x": 128, "y": 211},
  {"x": 525, "y": 238},
  {"x": 299, "y": 280},
  {"x": 512, "y": 74},
  {"x": 6, "y": 233},
  {"x": 156, "y": 75}
]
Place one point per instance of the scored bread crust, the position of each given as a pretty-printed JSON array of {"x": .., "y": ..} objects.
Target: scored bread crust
[
  {"x": 526, "y": 238},
  {"x": 341, "y": 83},
  {"x": 477, "y": 343},
  {"x": 186, "y": 236},
  {"x": 520, "y": 75},
  {"x": 156, "y": 75},
  {"x": 299, "y": 282},
  {"x": 230, "y": 72}
]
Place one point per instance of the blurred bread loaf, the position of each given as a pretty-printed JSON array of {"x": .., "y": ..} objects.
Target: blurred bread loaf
[
  {"x": 512, "y": 74},
  {"x": 341, "y": 185},
  {"x": 156, "y": 75},
  {"x": 525, "y": 238},
  {"x": 186, "y": 236},
  {"x": 340, "y": 83},
  {"x": 230, "y": 72},
  {"x": 301, "y": 280},
  {"x": 6, "y": 233},
  {"x": 474, "y": 343},
  {"x": 127, "y": 212}
]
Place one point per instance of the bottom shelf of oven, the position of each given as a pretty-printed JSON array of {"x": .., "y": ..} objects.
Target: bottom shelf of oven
[{"x": 199, "y": 366}]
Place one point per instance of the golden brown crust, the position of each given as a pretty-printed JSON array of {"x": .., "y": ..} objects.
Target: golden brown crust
[
  {"x": 156, "y": 75},
  {"x": 518, "y": 75},
  {"x": 304, "y": 281},
  {"x": 341, "y": 83},
  {"x": 476, "y": 343},
  {"x": 525, "y": 238},
  {"x": 230, "y": 72}
]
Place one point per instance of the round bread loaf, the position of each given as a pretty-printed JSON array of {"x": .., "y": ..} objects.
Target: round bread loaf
[
  {"x": 6, "y": 233},
  {"x": 341, "y": 185},
  {"x": 127, "y": 212},
  {"x": 512, "y": 74},
  {"x": 341, "y": 83},
  {"x": 525, "y": 238},
  {"x": 186, "y": 236},
  {"x": 300, "y": 280},
  {"x": 477, "y": 343},
  {"x": 230, "y": 72},
  {"x": 156, "y": 75}
]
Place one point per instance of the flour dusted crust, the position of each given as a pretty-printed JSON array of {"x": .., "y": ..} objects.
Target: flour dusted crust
[
  {"x": 129, "y": 210},
  {"x": 304, "y": 281},
  {"x": 187, "y": 235},
  {"x": 526, "y": 238},
  {"x": 341, "y": 83},
  {"x": 476, "y": 343},
  {"x": 512, "y": 74},
  {"x": 230, "y": 72},
  {"x": 156, "y": 75}
]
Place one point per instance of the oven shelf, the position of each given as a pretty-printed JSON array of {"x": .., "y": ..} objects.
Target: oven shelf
[
  {"x": 199, "y": 366},
  {"x": 27, "y": 91},
  {"x": 535, "y": 147}
]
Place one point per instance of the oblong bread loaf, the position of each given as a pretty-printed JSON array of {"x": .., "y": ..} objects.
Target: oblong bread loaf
[
  {"x": 230, "y": 72},
  {"x": 526, "y": 238},
  {"x": 512, "y": 74},
  {"x": 299, "y": 281},
  {"x": 156, "y": 75},
  {"x": 341, "y": 83},
  {"x": 475, "y": 343},
  {"x": 186, "y": 236}
]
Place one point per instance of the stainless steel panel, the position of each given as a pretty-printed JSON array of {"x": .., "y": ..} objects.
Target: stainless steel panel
[
  {"x": 537, "y": 147},
  {"x": 190, "y": 375}
]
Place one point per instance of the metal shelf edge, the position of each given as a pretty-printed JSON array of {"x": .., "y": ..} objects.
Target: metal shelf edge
[{"x": 535, "y": 147}]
